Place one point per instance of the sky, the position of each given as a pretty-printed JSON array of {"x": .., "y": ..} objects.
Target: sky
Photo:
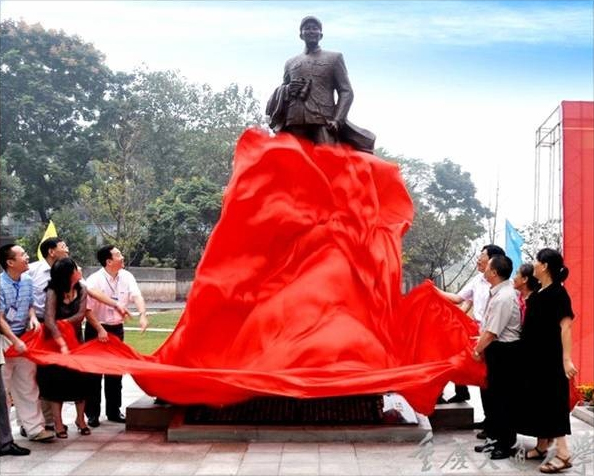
[{"x": 466, "y": 80}]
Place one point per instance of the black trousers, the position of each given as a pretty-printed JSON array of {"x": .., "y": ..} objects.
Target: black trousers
[
  {"x": 502, "y": 360},
  {"x": 113, "y": 383},
  {"x": 486, "y": 402},
  {"x": 462, "y": 391}
]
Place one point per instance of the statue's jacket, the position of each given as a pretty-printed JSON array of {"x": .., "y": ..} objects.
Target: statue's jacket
[{"x": 324, "y": 72}]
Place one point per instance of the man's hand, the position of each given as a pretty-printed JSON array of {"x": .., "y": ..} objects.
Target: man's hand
[
  {"x": 102, "y": 335},
  {"x": 20, "y": 346},
  {"x": 476, "y": 356},
  {"x": 34, "y": 323},
  {"x": 123, "y": 312},
  {"x": 143, "y": 321}
]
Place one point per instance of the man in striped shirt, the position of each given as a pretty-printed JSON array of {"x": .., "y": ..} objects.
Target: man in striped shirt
[{"x": 17, "y": 315}]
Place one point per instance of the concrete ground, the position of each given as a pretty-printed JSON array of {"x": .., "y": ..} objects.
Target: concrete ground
[{"x": 110, "y": 450}]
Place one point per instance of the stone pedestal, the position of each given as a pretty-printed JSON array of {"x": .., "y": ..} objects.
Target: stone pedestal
[
  {"x": 144, "y": 414},
  {"x": 452, "y": 416},
  {"x": 180, "y": 432}
]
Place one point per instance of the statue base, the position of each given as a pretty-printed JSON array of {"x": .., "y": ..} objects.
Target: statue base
[{"x": 277, "y": 419}]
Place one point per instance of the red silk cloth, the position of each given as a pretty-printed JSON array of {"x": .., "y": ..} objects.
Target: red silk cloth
[{"x": 298, "y": 292}]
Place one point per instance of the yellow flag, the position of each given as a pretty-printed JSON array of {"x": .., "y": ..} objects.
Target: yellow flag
[{"x": 50, "y": 232}]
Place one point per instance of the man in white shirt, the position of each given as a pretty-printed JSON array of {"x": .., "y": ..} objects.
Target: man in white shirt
[
  {"x": 498, "y": 345},
  {"x": 474, "y": 295},
  {"x": 120, "y": 285}
]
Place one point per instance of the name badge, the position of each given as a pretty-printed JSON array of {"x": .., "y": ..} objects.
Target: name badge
[{"x": 11, "y": 314}]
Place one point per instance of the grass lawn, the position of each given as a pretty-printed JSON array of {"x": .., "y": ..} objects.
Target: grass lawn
[
  {"x": 160, "y": 320},
  {"x": 148, "y": 342}
]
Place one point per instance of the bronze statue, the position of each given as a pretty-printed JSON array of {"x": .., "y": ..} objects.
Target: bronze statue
[{"x": 304, "y": 104}]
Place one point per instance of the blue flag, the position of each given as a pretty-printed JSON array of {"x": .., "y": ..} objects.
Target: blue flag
[{"x": 513, "y": 245}]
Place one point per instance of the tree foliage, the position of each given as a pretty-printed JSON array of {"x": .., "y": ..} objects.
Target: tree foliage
[
  {"x": 541, "y": 235},
  {"x": 448, "y": 217},
  {"x": 11, "y": 190},
  {"x": 52, "y": 87},
  {"x": 182, "y": 219},
  {"x": 120, "y": 186},
  {"x": 77, "y": 136}
]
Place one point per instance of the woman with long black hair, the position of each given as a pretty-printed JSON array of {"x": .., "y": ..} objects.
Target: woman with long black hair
[{"x": 66, "y": 301}]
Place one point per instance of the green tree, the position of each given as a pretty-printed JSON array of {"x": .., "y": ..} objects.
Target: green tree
[
  {"x": 189, "y": 128},
  {"x": 116, "y": 195},
  {"x": 168, "y": 108},
  {"x": 52, "y": 86},
  {"x": 223, "y": 116},
  {"x": 182, "y": 219},
  {"x": 11, "y": 190},
  {"x": 448, "y": 217}
]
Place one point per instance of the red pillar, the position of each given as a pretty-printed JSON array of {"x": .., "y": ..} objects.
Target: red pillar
[{"x": 577, "y": 119}]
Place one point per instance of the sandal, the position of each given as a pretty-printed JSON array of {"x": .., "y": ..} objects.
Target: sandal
[
  {"x": 550, "y": 467},
  {"x": 62, "y": 434},
  {"x": 83, "y": 430},
  {"x": 540, "y": 454}
]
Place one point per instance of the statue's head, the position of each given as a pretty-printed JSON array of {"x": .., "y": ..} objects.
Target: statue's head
[{"x": 310, "y": 29}]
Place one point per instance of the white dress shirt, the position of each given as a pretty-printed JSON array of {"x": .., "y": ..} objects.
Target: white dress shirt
[
  {"x": 40, "y": 274},
  {"x": 122, "y": 289},
  {"x": 477, "y": 291}
]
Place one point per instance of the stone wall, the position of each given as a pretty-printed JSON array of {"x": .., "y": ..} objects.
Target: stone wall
[{"x": 184, "y": 280}]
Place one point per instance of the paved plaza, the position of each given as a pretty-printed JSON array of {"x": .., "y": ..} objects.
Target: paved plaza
[{"x": 110, "y": 450}]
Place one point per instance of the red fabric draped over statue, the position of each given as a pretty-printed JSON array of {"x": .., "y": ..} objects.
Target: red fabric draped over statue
[{"x": 298, "y": 292}]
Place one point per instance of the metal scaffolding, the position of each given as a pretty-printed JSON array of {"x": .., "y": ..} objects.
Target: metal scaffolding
[{"x": 548, "y": 205}]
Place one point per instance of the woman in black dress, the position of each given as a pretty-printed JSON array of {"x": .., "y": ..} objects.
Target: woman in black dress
[
  {"x": 546, "y": 344},
  {"x": 66, "y": 300}
]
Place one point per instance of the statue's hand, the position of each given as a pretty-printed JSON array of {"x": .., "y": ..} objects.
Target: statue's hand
[
  {"x": 296, "y": 85},
  {"x": 333, "y": 125}
]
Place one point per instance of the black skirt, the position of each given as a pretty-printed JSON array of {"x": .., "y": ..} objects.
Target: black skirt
[{"x": 60, "y": 384}]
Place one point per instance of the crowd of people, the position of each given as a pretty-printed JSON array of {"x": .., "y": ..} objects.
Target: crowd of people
[
  {"x": 51, "y": 290},
  {"x": 525, "y": 341}
]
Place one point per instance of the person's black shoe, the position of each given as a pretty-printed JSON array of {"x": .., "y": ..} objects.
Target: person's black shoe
[
  {"x": 13, "y": 449},
  {"x": 482, "y": 435},
  {"x": 501, "y": 453},
  {"x": 93, "y": 422},
  {"x": 22, "y": 432},
  {"x": 486, "y": 447},
  {"x": 459, "y": 398},
  {"x": 119, "y": 418}
]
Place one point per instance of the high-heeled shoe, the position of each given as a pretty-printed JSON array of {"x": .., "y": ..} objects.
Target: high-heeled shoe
[
  {"x": 62, "y": 434},
  {"x": 83, "y": 430}
]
